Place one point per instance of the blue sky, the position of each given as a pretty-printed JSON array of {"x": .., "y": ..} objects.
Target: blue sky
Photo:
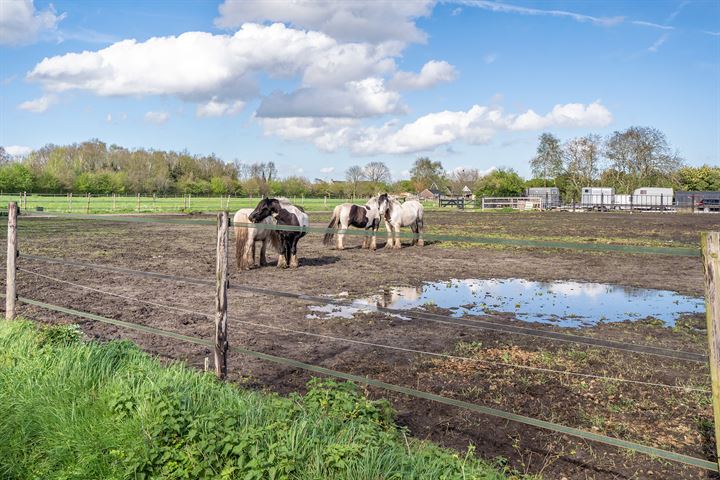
[{"x": 318, "y": 86}]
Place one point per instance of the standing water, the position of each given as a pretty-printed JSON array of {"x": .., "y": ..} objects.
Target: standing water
[{"x": 567, "y": 304}]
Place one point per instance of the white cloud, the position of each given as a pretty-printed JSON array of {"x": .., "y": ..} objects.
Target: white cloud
[
  {"x": 157, "y": 117},
  {"x": 349, "y": 20},
  {"x": 21, "y": 23},
  {"x": 478, "y": 125},
  {"x": 216, "y": 108},
  {"x": 17, "y": 150},
  {"x": 38, "y": 105},
  {"x": 364, "y": 98},
  {"x": 507, "y": 8},
  {"x": 108, "y": 119},
  {"x": 490, "y": 58},
  {"x": 456, "y": 11},
  {"x": 431, "y": 74},
  {"x": 216, "y": 71},
  {"x": 571, "y": 115},
  {"x": 658, "y": 43},
  {"x": 327, "y": 170},
  {"x": 714, "y": 34}
]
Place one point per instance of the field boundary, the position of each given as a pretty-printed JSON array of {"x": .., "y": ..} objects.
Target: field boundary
[
  {"x": 585, "y": 435},
  {"x": 510, "y": 242}
]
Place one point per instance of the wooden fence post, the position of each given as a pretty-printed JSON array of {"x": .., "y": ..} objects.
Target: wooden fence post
[
  {"x": 221, "y": 342},
  {"x": 114, "y": 197},
  {"x": 87, "y": 206},
  {"x": 138, "y": 202},
  {"x": 710, "y": 243},
  {"x": 10, "y": 287},
  {"x": 69, "y": 200}
]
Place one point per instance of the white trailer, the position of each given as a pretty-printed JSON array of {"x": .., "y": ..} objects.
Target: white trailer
[
  {"x": 597, "y": 197},
  {"x": 652, "y": 198}
]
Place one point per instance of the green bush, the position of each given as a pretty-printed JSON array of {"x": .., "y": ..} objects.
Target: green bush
[{"x": 79, "y": 410}]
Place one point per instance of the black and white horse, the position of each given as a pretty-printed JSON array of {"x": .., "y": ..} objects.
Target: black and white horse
[
  {"x": 397, "y": 215},
  {"x": 348, "y": 215},
  {"x": 285, "y": 214}
]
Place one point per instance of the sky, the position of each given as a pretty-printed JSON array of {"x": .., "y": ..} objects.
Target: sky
[{"x": 318, "y": 86}]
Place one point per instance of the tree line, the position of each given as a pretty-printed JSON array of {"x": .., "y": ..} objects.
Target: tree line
[{"x": 625, "y": 160}]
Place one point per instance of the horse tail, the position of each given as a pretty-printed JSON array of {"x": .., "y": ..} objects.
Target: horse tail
[
  {"x": 327, "y": 239},
  {"x": 242, "y": 237}
]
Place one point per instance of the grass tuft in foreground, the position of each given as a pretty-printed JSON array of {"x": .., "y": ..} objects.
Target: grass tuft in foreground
[{"x": 78, "y": 410}]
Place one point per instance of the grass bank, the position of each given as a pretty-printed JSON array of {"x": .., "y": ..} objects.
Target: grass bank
[{"x": 78, "y": 410}]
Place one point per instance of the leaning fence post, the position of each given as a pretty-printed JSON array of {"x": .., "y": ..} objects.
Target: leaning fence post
[
  {"x": 710, "y": 242},
  {"x": 10, "y": 287},
  {"x": 221, "y": 286}
]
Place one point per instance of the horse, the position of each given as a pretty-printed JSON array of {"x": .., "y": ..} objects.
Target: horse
[
  {"x": 397, "y": 215},
  {"x": 284, "y": 214},
  {"x": 245, "y": 238},
  {"x": 360, "y": 216}
]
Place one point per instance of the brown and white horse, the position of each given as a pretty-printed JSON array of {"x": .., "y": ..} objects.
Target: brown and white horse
[
  {"x": 348, "y": 215},
  {"x": 246, "y": 236},
  {"x": 284, "y": 214}
]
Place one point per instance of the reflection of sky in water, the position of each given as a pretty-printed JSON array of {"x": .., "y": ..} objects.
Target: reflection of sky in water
[{"x": 568, "y": 304}]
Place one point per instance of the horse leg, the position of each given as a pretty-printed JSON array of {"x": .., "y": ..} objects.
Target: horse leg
[
  {"x": 373, "y": 239},
  {"x": 282, "y": 263},
  {"x": 366, "y": 240},
  {"x": 398, "y": 243},
  {"x": 414, "y": 229},
  {"x": 389, "y": 243},
  {"x": 248, "y": 255},
  {"x": 263, "y": 251},
  {"x": 420, "y": 228},
  {"x": 288, "y": 251},
  {"x": 293, "y": 257}
]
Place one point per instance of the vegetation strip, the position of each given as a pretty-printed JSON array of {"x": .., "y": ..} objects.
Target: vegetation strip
[
  {"x": 372, "y": 344},
  {"x": 511, "y": 242},
  {"x": 616, "y": 442},
  {"x": 431, "y": 317}
]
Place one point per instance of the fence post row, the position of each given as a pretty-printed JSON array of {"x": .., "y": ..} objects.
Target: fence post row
[
  {"x": 12, "y": 252},
  {"x": 710, "y": 242},
  {"x": 221, "y": 286}
]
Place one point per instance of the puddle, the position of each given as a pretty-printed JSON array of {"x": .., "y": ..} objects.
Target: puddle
[{"x": 567, "y": 304}]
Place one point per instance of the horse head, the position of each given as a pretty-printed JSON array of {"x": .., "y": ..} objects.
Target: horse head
[
  {"x": 265, "y": 208},
  {"x": 383, "y": 203}
]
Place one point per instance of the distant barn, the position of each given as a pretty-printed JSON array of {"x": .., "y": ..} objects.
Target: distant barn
[{"x": 550, "y": 196}]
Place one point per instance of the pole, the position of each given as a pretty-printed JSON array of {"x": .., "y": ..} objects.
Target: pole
[
  {"x": 710, "y": 243},
  {"x": 221, "y": 286},
  {"x": 10, "y": 287},
  {"x": 113, "y": 202},
  {"x": 87, "y": 205},
  {"x": 69, "y": 201},
  {"x": 138, "y": 202},
  {"x": 153, "y": 201},
  {"x": 692, "y": 208}
]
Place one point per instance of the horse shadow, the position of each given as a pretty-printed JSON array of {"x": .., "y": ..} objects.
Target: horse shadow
[{"x": 318, "y": 261}]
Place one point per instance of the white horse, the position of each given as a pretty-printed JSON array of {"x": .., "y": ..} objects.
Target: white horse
[
  {"x": 346, "y": 215},
  {"x": 398, "y": 215},
  {"x": 245, "y": 238}
]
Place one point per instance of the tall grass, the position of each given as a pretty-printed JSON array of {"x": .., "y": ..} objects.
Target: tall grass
[{"x": 84, "y": 410}]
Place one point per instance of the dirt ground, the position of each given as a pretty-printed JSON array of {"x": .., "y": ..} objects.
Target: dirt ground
[{"x": 678, "y": 420}]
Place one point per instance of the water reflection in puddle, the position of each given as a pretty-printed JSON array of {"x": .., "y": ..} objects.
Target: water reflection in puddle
[{"x": 567, "y": 304}]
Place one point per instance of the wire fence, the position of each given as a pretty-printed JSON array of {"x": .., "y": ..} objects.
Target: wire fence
[{"x": 425, "y": 316}]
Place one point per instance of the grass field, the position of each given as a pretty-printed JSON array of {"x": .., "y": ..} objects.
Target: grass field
[
  {"x": 74, "y": 409},
  {"x": 158, "y": 204}
]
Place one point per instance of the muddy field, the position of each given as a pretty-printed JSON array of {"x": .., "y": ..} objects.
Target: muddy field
[{"x": 674, "y": 419}]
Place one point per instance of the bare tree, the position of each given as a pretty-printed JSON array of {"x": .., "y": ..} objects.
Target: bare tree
[
  {"x": 425, "y": 172},
  {"x": 461, "y": 177},
  {"x": 4, "y": 156},
  {"x": 377, "y": 172},
  {"x": 354, "y": 175},
  {"x": 581, "y": 161},
  {"x": 547, "y": 162},
  {"x": 639, "y": 155}
]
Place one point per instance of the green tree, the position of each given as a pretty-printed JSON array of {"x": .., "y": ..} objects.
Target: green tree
[
  {"x": 425, "y": 172},
  {"x": 504, "y": 182},
  {"x": 699, "y": 178},
  {"x": 15, "y": 177}
]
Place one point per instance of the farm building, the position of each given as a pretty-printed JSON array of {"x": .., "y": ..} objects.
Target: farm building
[
  {"x": 427, "y": 194},
  {"x": 550, "y": 196},
  {"x": 467, "y": 193}
]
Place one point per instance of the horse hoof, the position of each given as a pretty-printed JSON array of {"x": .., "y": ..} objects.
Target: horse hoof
[{"x": 420, "y": 243}]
